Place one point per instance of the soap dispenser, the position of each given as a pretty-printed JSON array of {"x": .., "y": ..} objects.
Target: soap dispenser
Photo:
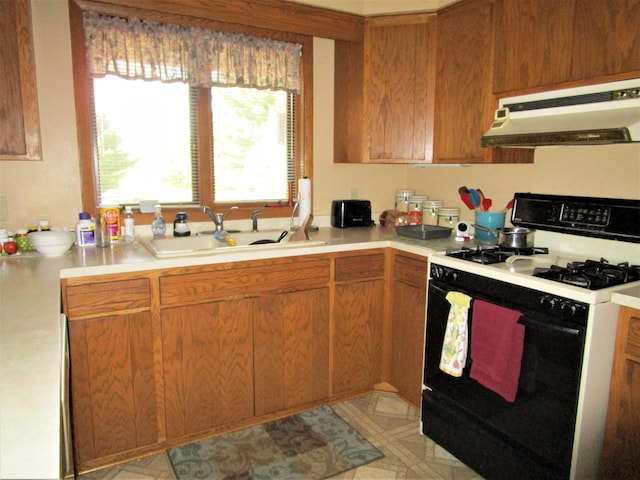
[{"x": 158, "y": 225}]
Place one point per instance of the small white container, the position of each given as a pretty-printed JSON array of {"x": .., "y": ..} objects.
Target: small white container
[{"x": 85, "y": 231}]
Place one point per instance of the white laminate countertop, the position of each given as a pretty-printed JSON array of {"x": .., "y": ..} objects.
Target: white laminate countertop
[
  {"x": 30, "y": 331},
  {"x": 629, "y": 297}
]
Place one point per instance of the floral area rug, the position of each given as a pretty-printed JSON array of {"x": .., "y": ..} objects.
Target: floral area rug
[{"x": 312, "y": 445}]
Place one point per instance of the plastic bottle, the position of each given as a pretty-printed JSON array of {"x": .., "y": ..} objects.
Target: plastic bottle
[
  {"x": 180, "y": 225},
  {"x": 85, "y": 231},
  {"x": 158, "y": 225},
  {"x": 129, "y": 226}
]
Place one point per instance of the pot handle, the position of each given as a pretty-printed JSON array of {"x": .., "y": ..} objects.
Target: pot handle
[{"x": 485, "y": 229}]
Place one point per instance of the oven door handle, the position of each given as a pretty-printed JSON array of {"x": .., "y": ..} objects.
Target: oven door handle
[
  {"x": 527, "y": 319},
  {"x": 532, "y": 322}
]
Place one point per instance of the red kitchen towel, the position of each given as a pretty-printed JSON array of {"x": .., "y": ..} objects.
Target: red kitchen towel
[{"x": 496, "y": 348}]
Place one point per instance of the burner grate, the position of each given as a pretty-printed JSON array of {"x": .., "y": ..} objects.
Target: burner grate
[
  {"x": 591, "y": 274},
  {"x": 488, "y": 255}
]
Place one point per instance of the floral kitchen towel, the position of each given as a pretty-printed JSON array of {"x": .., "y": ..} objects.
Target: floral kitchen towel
[{"x": 454, "y": 348}]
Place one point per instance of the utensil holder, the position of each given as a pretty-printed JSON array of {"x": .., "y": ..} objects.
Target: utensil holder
[{"x": 491, "y": 220}]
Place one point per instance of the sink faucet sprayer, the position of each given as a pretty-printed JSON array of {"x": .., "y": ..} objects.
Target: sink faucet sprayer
[{"x": 217, "y": 218}]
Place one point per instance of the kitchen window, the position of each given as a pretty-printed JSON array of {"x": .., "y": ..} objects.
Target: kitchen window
[
  {"x": 229, "y": 136},
  {"x": 147, "y": 143}
]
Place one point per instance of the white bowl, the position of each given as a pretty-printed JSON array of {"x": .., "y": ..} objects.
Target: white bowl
[{"x": 53, "y": 243}]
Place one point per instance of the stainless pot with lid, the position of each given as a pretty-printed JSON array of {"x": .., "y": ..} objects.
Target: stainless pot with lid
[{"x": 511, "y": 237}]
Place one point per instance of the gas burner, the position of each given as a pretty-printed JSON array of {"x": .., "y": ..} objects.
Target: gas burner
[
  {"x": 492, "y": 254},
  {"x": 591, "y": 274}
]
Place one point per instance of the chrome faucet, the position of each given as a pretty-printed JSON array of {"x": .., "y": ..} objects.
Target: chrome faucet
[
  {"x": 254, "y": 220},
  {"x": 217, "y": 218}
]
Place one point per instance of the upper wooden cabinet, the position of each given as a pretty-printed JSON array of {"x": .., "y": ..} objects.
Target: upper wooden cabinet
[
  {"x": 385, "y": 91},
  {"x": 606, "y": 39},
  {"x": 547, "y": 43},
  {"x": 465, "y": 103},
  {"x": 19, "y": 121},
  {"x": 533, "y": 43}
]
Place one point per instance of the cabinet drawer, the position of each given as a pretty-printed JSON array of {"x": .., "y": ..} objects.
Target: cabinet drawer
[
  {"x": 99, "y": 298},
  {"x": 243, "y": 281},
  {"x": 411, "y": 271},
  {"x": 360, "y": 267},
  {"x": 633, "y": 337}
]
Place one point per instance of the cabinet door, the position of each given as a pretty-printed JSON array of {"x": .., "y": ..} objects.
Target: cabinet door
[
  {"x": 606, "y": 39},
  {"x": 407, "y": 324},
  {"x": 620, "y": 458},
  {"x": 291, "y": 336},
  {"x": 19, "y": 120},
  {"x": 208, "y": 363},
  {"x": 358, "y": 322},
  {"x": 399, "y": 86},
  {"x": 465, "y": 103},
  {"x": 534, "y": 41},
  {"x": 112, "y": 385}
]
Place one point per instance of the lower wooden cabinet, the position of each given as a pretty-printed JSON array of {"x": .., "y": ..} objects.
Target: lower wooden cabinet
[
  {"x": 165, "y": 357},
  {"x": 620, "y": 458},
  {"x": 207, "y": 358},
  {"x": 113, "y": 386},
  {"x": 408, "y": 325},
  {"x": 358, "y": 322},
  {"x": 291, "y": 350}
]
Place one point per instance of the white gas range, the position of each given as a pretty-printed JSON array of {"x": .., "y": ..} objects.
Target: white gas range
[{"x": 554, "y": 426}]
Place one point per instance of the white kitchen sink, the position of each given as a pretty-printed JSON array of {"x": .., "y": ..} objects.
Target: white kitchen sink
[{"x": 208, "y": 245}]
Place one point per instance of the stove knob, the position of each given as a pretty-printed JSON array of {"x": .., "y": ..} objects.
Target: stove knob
[
  {"x": 568, "y": 308},
  {"x": 548, "y": 300}
]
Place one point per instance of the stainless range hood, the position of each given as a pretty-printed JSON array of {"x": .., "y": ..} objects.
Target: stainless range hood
[{"x": 599, "y": 114}]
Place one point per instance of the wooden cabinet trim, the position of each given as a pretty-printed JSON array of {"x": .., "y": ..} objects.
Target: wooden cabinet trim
[
  {"x": 264, "y": 14},
  {"x": 244, "y": 281},
  {"x": 363, "y": 267},
  {"x": 96, "y": 299}
]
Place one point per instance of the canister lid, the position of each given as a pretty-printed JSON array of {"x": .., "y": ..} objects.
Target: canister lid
[{"x": 446, "y": 211}]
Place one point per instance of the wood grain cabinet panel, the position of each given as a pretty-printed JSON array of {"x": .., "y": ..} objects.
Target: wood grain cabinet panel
[
  {"x": 107, "y": 297},
  {"x": 358, "y": 311},
  {"x": 208, "y": 365},
  {"x": 620, "y": 458},
  {"x": 534, "y": 43},
  {"x": 465, "y": 104},
  {"x": 291, "y": 348},
  {"x": 605, "y": 38},
  {"x": 243, "y": 280},
  {"x": 385, "y": 91},
  {"x": 19, "y": 118},
  {"x": 359, "y": 267},
  {"x": 112, "y": 386},
  {"x": 408, "y": 324}
]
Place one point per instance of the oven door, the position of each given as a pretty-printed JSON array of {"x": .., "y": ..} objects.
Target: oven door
[{"x": 531, "y": 437}]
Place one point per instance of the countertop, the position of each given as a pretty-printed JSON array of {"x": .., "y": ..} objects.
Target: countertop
[
  {"x": 629, "y": 297},
  {"x": 31, "y": 330}
]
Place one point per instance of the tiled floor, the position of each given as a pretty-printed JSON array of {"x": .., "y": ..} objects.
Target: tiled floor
[{"x": 386, "y": 421}]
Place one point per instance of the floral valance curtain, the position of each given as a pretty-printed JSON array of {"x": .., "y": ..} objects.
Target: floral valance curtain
[{"x": 140, "y": 49}]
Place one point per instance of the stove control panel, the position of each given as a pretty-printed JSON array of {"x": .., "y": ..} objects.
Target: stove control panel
[
  {"x": 585, "y": 214},
  {"x": 609, "y": 218}
]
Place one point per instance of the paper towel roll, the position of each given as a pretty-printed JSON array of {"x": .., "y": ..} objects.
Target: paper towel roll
[{"x": 304, "y": 199}]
